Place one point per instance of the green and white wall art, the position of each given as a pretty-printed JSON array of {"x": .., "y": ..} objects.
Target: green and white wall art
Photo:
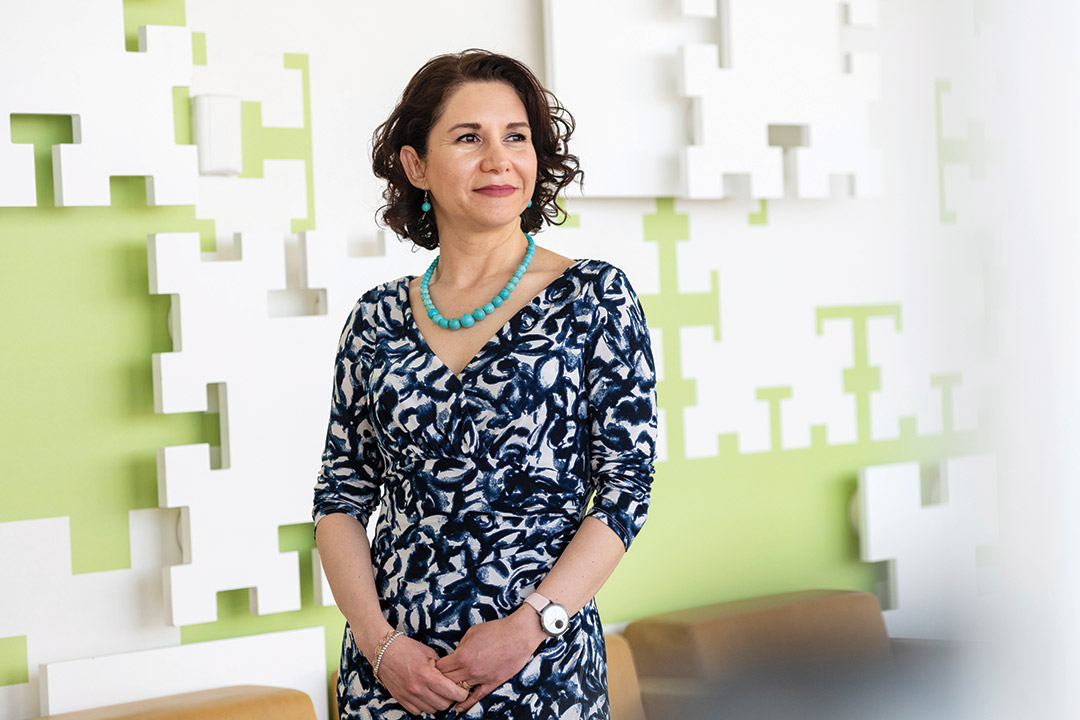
[{"x": 795, "y": 188}]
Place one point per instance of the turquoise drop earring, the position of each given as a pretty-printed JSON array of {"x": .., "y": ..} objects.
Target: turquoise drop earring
[{"x": 426, "y": 206}]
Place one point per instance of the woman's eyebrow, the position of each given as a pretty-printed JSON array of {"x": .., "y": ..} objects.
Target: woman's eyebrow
[{"x": 476, "y": 126}]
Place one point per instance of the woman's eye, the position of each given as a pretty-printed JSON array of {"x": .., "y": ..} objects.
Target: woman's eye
[
  {"x": 468, "y": 138},
  {"x": 517, "y": 137}
]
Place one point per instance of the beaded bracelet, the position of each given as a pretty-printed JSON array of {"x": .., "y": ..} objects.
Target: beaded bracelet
[{"x": 382, "y": 649}]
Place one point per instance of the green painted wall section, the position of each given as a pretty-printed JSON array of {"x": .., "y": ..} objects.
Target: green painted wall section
[
  {"x": 14, "y": 668},
  {"x": 670, "y": 310},
  {"x": 761, "y": 217},
  {"x": 950, "y": 152},
  {"x": 80, "y": 432},
  {"x": 266, "y": 143},
  {"x": 149, "y": 12},
  {"x": 198, "y": 48},
  {"x": 572, "y": 220},
  {"x": 975, "y": 151},
  {"x": 182, "y": 131}
]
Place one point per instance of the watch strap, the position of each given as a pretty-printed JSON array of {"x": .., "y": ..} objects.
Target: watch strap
[{"x": 538, "y": 601}]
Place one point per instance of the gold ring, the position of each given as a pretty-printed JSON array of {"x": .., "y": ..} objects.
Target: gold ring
[{"x": 465, "y": 685}]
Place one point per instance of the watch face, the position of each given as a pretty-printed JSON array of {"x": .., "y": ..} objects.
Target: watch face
[{"x": 554, "y": 620}]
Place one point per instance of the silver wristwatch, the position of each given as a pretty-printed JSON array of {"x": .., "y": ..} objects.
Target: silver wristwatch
[{"x": 554, "y": 620}]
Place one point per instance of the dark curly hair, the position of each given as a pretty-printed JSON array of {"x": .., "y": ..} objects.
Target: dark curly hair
[{"x": 419, "y": 108}]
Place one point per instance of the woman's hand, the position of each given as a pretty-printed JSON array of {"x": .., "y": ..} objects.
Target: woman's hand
[
  {"x": 408, "y": 671},
  {"x": 493, "y": 652}
]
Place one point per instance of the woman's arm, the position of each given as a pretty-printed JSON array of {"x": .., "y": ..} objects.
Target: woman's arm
[
  {"x": 346, "y": 560},
  {"x": 347, "y": 491},
  {"x": 408, "y": 667},
  {"x": 582, "y": 569},
  {"x": 346, "y": 494}
]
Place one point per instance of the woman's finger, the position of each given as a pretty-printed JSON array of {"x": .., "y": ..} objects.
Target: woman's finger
[
  {"x": 408, "y": 672},
  {"x": 431, "y": 700},
  {"x": 456, "y": 677},
  {"x": 478, "y": 693},
  {"x": 448, "y": 689},
  {"x": 449, "y": 663},
  {"x": 426, "y": 702}
]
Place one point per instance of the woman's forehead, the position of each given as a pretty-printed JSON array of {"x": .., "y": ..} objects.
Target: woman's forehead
[{"x": 477, "y": 102}]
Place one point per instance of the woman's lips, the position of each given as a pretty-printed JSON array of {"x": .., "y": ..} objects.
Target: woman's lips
[{"x": 497, "y": 190}]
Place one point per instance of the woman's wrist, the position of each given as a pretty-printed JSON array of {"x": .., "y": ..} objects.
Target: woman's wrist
[
  {"x": 528, "y": 622},
  {"x": 368, "y": 636}
]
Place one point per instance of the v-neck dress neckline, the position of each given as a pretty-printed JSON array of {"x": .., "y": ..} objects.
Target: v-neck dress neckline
[{"x": 422, "y": 342}]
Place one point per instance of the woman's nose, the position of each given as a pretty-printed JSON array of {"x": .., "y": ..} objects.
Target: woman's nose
[{"x": 496, "y": 158}]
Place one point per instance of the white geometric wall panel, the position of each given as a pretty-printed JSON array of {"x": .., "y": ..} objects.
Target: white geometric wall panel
[
  {"x": 768, "y": 324},
  {"x": 246, "y": 204},
  {"x": 254, "y": 75},
  {"x": 324, "y": 594},
  {"x": 943, "y": 333},
  {"x": 809, "y": 63},
  {"x": 215, "y": 127},
  {"x": 611, "y": 230},
  {"x": 245, "y": 44},
  {"x": 270, "y": 380},
  {"x": 967, "y": 39},
  {"x": 121, "y": 102},
  {"x": 65, "y": 616},
  {"x": 292, "y": 659},
  {"x": 933, "y": 586},
  {"x": 781, "y": 63},
  {"x": 613, "y": 67},
  {"x": 270, "y": 202}
]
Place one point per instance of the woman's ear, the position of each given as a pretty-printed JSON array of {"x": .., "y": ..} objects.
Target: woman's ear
[{"x": 414, "y": 167}]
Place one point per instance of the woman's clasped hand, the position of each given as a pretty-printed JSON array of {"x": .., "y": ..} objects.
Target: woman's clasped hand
[
  {"x": 493, "y": 652},
  {"x": 408, "y": 671},
  {"x": 488, "y": 655}
]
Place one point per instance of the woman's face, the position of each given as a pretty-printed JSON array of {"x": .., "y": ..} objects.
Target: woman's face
[{"x": 480, "y": 167}]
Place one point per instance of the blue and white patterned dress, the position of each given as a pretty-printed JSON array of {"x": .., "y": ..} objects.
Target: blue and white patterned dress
[{"x": 484, "y": 477}]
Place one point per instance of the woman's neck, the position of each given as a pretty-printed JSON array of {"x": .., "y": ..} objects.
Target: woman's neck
[{"x": 465, "y": 259}]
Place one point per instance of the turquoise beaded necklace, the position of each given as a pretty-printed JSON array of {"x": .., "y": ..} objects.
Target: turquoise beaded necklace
[{"x": 471, "y": 318}]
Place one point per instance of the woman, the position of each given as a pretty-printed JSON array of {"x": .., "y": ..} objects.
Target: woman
[{"x": 480, "y": 406}]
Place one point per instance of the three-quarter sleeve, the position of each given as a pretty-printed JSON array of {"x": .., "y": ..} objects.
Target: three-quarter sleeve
[
  {"x": 621, "y": 383},
  {"x": 351, "y": 474}
]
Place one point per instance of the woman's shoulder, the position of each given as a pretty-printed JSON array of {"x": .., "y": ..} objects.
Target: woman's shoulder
[
  {"x": 386, "y": 298},
  {"x": 388, "y": 291},
  {"x": 380, "y": 304},
  {"x": 603, "y": 278}
]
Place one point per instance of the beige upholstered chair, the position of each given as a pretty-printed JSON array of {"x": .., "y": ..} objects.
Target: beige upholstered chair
[
  {"x": 623, "y": 691},
  {"x": 240, "y": 702},
  {"x": 689, "y": 658}
]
